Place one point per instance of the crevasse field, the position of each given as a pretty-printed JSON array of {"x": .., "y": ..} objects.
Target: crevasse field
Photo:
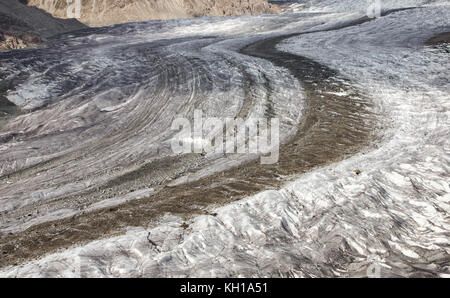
[{"x": 103, "y": 142}]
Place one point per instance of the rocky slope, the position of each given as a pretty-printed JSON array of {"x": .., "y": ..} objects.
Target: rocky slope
[
  {"x": 107, "y": 12},
  {"x": 22, "y": 26}
]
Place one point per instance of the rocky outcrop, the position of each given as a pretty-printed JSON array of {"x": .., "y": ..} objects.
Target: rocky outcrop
[
  {"x": 107, "y": 12},
  {"x": 17, "y": 40},
  {"x": 16, "y": 34}
]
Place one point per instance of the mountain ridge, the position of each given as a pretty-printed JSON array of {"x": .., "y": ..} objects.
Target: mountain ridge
[{"x": 97, "y": 13}]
